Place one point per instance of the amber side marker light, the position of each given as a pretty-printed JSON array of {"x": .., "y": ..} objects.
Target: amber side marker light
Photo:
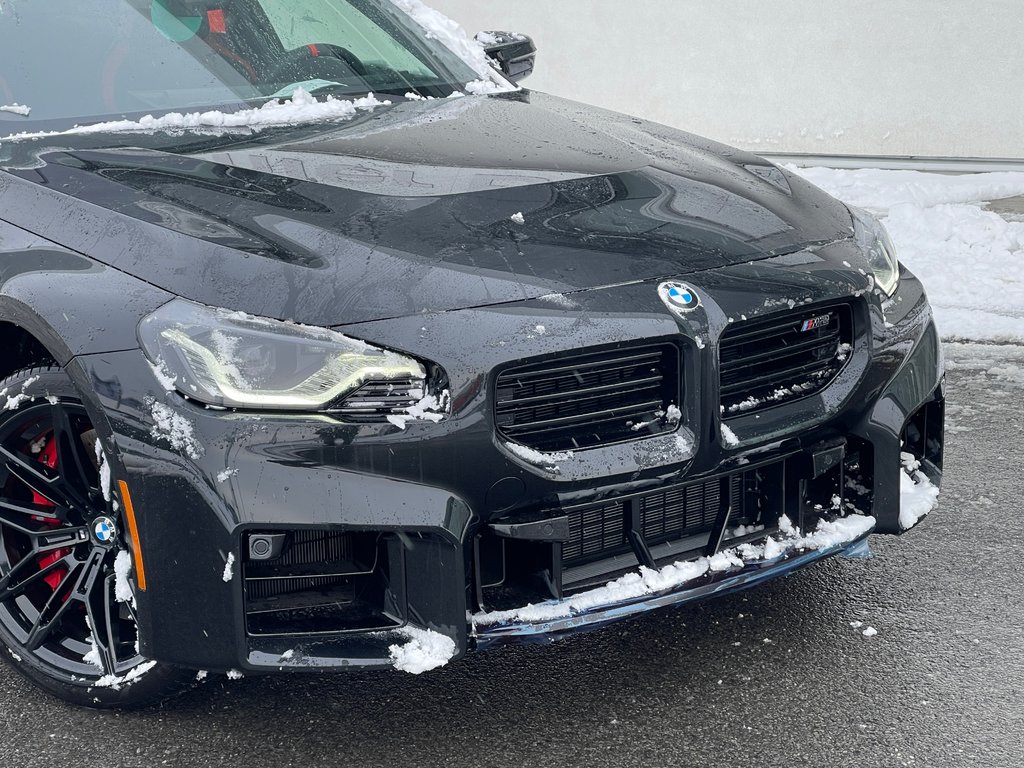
[{"x": 133, "y": 531}]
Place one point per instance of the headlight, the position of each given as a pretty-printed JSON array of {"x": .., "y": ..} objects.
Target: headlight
[
  {"x": 234, "y": 360},
  {"x": 878, "y": 250}
]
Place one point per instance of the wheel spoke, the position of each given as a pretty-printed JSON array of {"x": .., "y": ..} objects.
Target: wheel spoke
[
  {"x": 32, "y": 476},
  {"x": 60, "y": 538},
  {"x": 44, "y": 622},
  {"x": 84, "y": 575},
  {"x": 104, "y": 623},
  {"x": 29, "y": 510},
  {"x": 48, "y": 538},
  {"x": 11, "y": 587},
  {"x": 69, "y": 455}
]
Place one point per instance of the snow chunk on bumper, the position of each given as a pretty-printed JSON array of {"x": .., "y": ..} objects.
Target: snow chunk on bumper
[{"x": 423, "y": 651}]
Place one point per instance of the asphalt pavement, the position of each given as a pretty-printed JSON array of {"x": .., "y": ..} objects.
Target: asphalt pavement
[{"x": 774, "y": 677}]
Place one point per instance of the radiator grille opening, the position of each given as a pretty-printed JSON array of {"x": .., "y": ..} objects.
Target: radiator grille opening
[
  {"x": 599, "y": 531},
  {"x": 765, "y": 363},
  {"x": 590, "y": 399}
]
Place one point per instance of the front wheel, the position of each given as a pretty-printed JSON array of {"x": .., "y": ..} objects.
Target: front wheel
[{"x": 67, "y": 593}]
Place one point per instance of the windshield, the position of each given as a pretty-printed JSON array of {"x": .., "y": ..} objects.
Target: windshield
[{"x": 72, "y": 61}]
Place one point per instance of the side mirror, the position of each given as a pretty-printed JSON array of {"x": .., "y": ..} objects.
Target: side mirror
[{"x": 513, "y": 53}]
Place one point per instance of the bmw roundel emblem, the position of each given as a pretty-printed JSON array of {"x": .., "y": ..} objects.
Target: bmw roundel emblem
[
  {"x": 103, "y": 529},
  {"x": 678, "y": 297}
]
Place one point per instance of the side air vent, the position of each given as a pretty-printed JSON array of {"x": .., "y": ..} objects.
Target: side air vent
[
  {"x": 589, "y": 399},
  {"x": 376, "y": 400}
]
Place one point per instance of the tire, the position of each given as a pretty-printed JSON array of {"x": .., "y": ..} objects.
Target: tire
[{"x": 61, "y": 533}]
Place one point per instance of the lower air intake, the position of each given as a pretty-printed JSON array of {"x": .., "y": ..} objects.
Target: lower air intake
[{"x": 323, "y": 582}]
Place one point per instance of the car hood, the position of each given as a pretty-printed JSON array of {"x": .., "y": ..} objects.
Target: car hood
[{"x": 420, "y": 207}]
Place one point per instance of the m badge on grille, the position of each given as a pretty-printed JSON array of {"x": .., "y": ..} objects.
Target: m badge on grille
[{"x": 815, "y": 322}]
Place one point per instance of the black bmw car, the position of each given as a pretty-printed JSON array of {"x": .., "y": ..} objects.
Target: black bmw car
[{"x": 299, "y": 377}]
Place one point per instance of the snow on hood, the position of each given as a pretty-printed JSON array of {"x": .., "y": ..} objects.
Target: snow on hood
[{"x": 301, "y": 108}]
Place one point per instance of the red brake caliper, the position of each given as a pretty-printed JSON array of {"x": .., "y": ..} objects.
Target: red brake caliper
[{"x": 48, "y": 456}]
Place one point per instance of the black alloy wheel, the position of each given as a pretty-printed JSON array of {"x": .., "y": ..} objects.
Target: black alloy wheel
[{"x": 67, "y": 592}]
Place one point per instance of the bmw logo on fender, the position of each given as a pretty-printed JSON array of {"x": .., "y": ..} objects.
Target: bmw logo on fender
[{"x": 678, "y": 297}]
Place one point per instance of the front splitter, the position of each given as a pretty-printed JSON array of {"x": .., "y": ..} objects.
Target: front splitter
[{"x": 704, "y": 587}]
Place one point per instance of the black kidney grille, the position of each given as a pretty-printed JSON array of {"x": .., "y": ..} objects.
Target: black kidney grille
[
  {"x": 599, "y": 531},
  {"x": 590, "y": 399},
  {"x": 764, "y": 363}
]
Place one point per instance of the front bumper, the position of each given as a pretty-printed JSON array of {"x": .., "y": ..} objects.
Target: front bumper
[
  {"x": 430, "y": 491},
  {"x": 494, "y": 631}
]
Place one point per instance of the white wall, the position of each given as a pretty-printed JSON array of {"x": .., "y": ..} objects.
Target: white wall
[{"x": 940, "y": 78}]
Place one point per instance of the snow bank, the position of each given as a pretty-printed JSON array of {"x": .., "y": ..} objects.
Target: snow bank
[
  {"x": 970, "y": 260},
  {"x": 648, "y": 581},
  {"x": 423, "y": 651},
  {"x": 300, "y": 108},
  {"x": 880, "y": 190},
  {"x": 17, "y": 109}
]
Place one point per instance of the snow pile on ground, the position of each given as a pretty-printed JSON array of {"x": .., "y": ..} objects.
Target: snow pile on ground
[
  {"x": 648, "y": 581},
  {"x": 300, "y": 108},
  {"x": 423, "y": 650},
  {"x": 229, "y": 568},
  {"x": 970, "y": 260},
  {"x": 16, "y": 109},
  {"x": 918, "y": 495}
]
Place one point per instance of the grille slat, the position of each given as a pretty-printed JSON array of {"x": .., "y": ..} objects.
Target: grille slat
[
  {"x": 765, "y": 363},
  {"x": 584, "y": 393},
  {"x": 374, "y": 400},
  {"x": 774, "y": 355},
  {"x": 588, "y": 399}
]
